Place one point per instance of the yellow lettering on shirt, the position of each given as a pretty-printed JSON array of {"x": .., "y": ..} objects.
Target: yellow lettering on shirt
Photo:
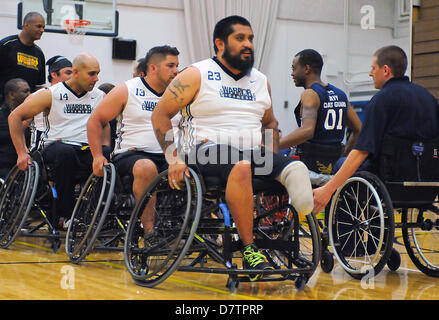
[{"x": 27, "y": 61}]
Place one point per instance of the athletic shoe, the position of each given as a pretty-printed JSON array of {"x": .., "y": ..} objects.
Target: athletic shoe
[{"x": 254, "y": 260}]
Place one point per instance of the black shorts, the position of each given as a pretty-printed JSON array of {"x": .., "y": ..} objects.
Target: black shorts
[
  {"x": 124, "y": 162},
  {"x": 218, "y": 160}
]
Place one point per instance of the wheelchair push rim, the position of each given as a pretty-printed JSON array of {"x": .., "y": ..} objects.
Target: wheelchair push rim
[
  {"x": 105, "y": 191},
  {"x": 420, "y": 234},
  {"x": 164, "y": 256},
  {"x": 9, "y": 230},
  {"x": 362, "y": 241}
]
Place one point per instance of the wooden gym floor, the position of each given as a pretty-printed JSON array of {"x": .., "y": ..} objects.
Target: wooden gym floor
[{"x": 29, "y": 270}]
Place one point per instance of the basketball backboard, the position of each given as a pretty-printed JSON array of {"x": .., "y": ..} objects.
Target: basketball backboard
[{"x": 101, "y": 16}]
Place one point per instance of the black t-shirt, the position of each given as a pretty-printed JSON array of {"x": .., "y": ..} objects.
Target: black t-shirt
[
  {"x": 8, "y": 155},
  {"x": 20, "y": 61},
  {"x": 401, "y": 109}
]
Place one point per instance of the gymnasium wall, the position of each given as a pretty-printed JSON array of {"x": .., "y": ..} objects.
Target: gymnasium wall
[
  {"x": 426, "y": 47},
  {"x": 333, "y": 27}
]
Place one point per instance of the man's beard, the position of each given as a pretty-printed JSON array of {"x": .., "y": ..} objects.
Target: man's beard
[{"x": 236, "y": 62}]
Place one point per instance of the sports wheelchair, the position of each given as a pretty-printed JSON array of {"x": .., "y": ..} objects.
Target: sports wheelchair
[
  {"x": 27, "y": 204},
  {"x": 404, "y": 184},
  {"x": 100, "y": 217},
  {"x": 194, "y": 232}
]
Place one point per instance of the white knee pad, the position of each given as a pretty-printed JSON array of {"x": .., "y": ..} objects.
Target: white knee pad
[{"x": 295, "y": 178}]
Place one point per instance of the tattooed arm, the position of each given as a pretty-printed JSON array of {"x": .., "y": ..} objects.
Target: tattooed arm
[
  {"x": 180, "y": 92},
  {"x": 310, "y": 105}
]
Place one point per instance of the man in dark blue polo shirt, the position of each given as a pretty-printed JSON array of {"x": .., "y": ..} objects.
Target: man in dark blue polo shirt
[{"x": 401, "y": 109}]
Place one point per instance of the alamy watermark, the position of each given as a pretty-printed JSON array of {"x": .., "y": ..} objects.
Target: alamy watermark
[
  {"x": 226, "y": 148},
  {"x": 68, "y": 278}
]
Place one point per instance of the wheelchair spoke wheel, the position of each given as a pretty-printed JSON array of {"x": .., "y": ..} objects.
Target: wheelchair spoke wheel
[
  {"x": 16, "y": 199},
  {"x": 176, "y": 214},
  {"x": 89, "y": 214},
  {"x": 298, "y": 238},
  {"x": 420, "y": 231},
  {"x": 361, "y": 225}
]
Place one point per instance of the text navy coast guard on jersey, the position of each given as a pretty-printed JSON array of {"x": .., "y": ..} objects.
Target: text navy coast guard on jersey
[
  {"x": 228, "y": 109},
  {"x": 331, "y": 116},
  {"x": 68, "y": 116},
  {"x": 134, "y": 126}
]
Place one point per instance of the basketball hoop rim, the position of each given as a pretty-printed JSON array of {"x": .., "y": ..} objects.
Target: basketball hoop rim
[{"x": 76, "y": 22}]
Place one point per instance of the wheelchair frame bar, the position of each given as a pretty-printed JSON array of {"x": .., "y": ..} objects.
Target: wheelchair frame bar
[{"x": 415, "y": 183}]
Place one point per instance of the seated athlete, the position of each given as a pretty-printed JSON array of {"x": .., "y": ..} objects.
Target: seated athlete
[
  {"x": 225, "y": 102},
  {"x": 136, "y": 152},
  {"x": 400, "y": 109},
  {"x": 68, "y": 106},
  {"x": 323, "y": 114},
  {"x": 16, "y": 90},
  {"x": 59, "y": 70}
]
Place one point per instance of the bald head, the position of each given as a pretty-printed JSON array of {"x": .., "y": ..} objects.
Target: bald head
[
  {"x": 83, "y": 60},
  {"x": 85, "y": 72}
]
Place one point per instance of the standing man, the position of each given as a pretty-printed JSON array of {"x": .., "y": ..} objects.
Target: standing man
[
  {"x": 59, "y": 69},
  {"x": 16, "y": 91},
  {"x": 20, "y": 57},
  {"x": 137, "y": 152},
  {"x": 401, "y": 108},
  {"x": 322, "y": 115},
  {"x": 225, "y": 103},
  {"x": 65, "y": 148}
]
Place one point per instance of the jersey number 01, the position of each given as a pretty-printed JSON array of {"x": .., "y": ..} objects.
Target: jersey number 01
[{"x": 332, "y": 121}]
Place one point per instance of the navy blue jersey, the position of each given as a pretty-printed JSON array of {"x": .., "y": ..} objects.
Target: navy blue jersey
[{"x": 331, "y": 116}]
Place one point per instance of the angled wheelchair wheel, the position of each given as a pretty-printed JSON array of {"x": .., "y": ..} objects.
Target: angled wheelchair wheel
[
  {"x": 420, "y": 232},
  {"x": 298, "y": 238},
  {"x": 176, "y": 216},
  {"x": 361, "y": 225},
  {"x": 89, "y": 214},
  {"x": 16, "y": 199}
]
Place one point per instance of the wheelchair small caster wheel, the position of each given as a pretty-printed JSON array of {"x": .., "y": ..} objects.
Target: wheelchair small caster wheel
[
  {"x": 232, "y": 285},
  {"x": 394, "y": 261},
  {"x": 55, "y": 242},
  {"x": 327, "y": 261},
  {"x": 300, "y": 283}
]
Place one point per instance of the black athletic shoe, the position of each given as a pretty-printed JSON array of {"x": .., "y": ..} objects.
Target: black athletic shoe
[{"x": 253, "y": 259}]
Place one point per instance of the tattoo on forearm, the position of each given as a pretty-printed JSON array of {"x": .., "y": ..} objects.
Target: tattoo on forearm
[
  {"x": 177, "y": 89},
  {"x": 161, "y": 138},
  {"x": 179, "y": 86},
  {"x": 309, "y": 113}
]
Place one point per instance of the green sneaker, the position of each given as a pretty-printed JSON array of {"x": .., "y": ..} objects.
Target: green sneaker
[{"x": 254, "y": 260}]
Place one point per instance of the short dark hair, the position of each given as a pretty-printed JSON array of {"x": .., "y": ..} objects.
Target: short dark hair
[
  {"x": 106, "y": 87},
  {"x": 30, "y": 15},
  {"x": 224, "y": 28},
  {"x": 12, "y": 85},
  {"x": 394, "y": 57},
  {"x": 312, "y": 58},
  {"x": 161, "y": 51},
  {"x": 141, "y": 66}
]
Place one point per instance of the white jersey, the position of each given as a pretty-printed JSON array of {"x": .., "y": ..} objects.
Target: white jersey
[
  {"x": 69, "y": 114},
  {"x": 227, "y": 110},
  {"x": 39, "y": 123},
  {"x": 134, "y": 126}
]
